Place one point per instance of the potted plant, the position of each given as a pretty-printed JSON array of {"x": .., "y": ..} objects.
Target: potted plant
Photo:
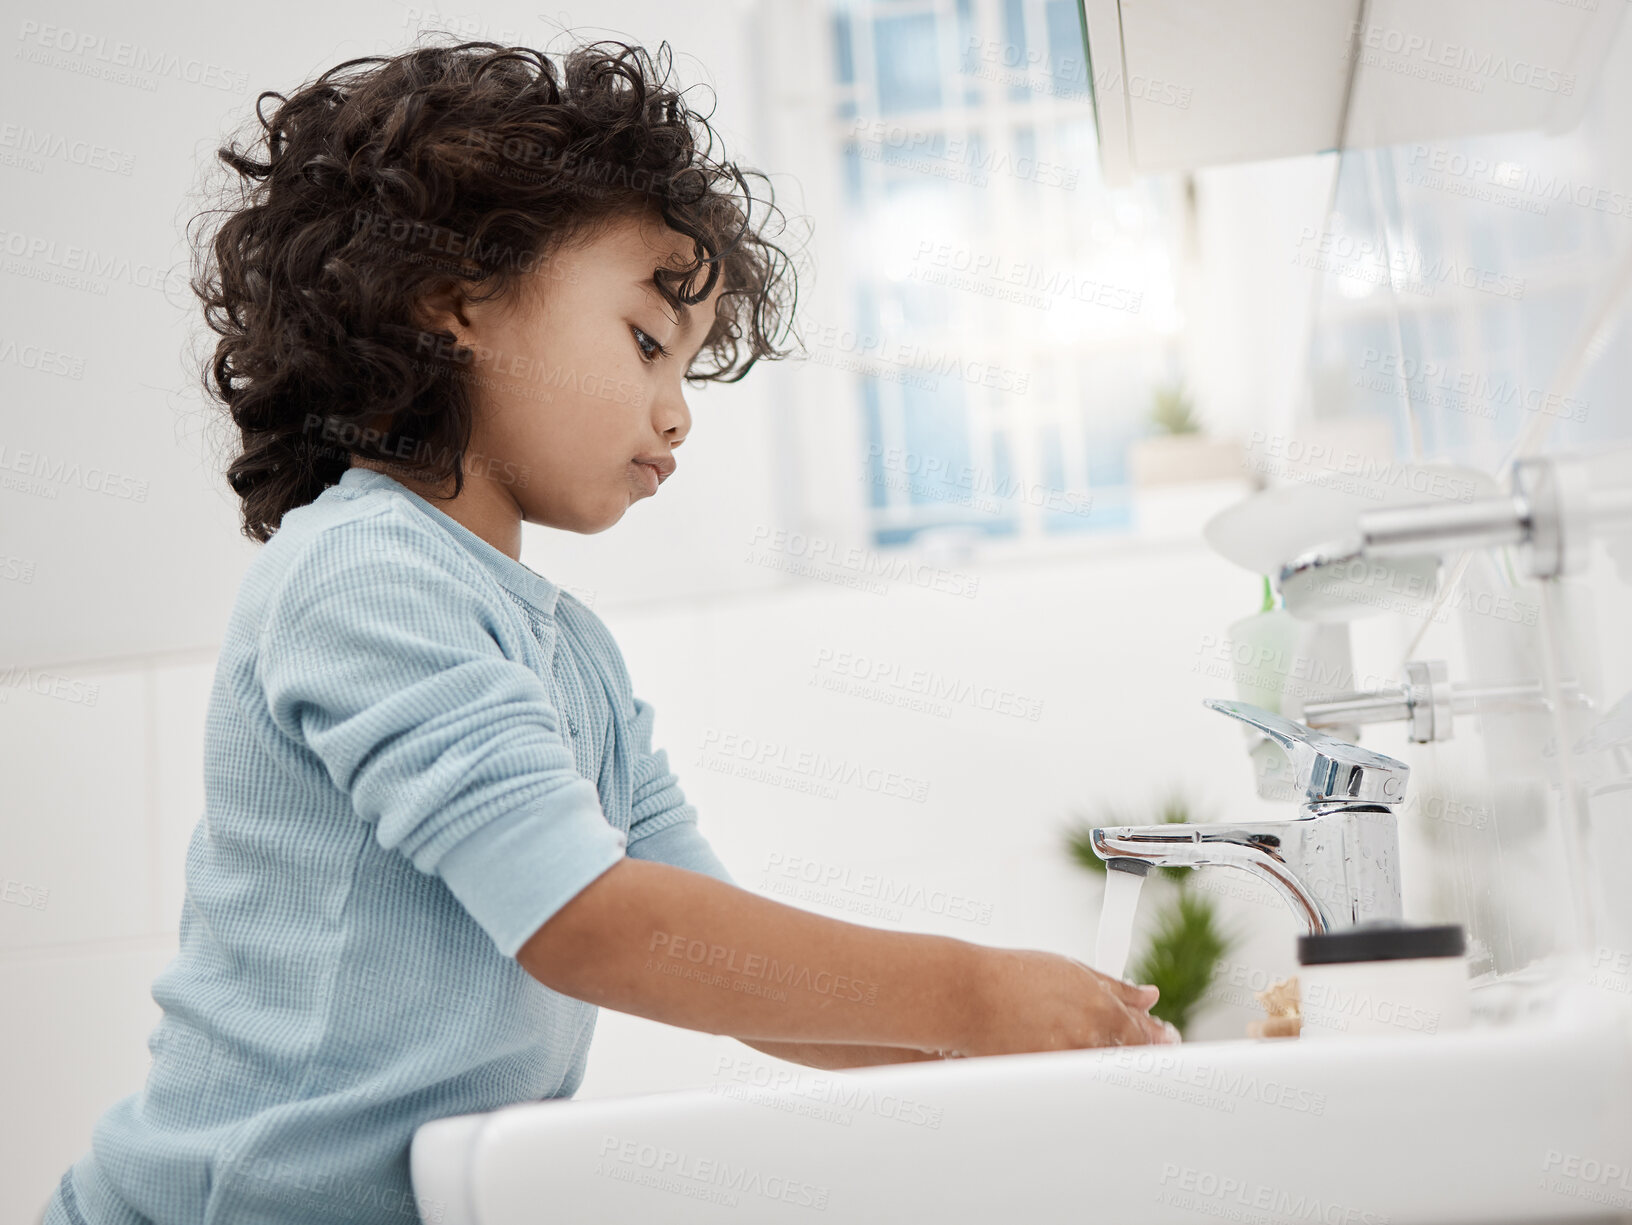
[{"x": 1181, "y": 451}]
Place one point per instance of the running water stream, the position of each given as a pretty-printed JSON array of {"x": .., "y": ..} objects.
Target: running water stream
[{"x": 1116, "y": 921}]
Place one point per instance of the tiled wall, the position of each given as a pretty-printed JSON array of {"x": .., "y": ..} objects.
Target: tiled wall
[{"x": 108, "y": 793}]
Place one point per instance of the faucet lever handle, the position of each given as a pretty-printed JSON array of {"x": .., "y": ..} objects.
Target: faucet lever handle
[{"x": 1326, "y": 768}]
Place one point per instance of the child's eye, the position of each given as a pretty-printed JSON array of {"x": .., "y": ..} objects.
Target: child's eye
[{"x": 656, "y": 351}]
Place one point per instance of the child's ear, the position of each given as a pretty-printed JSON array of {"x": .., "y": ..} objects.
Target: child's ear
[{"x": 443, "y": 308}]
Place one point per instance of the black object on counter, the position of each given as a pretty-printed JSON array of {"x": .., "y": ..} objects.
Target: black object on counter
[{"x": 1382, "y": 941}]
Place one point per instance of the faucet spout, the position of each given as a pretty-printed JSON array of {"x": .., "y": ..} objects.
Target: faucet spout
[{"x": 1336, "y": 865}]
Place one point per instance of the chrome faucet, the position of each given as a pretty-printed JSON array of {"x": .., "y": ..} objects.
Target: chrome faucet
[{"x": 1336, "y": 863}]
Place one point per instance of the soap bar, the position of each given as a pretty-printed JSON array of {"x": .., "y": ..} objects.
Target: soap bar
[{"x": 1281, "y": 1003}]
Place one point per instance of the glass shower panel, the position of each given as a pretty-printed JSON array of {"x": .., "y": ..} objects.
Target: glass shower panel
[{"x": 1472, "y": 308}]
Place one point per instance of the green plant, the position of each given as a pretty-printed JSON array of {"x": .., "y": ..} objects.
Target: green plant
[
  {"x": 1185, "y": 947},
  {"x": 1173, "y": 412},
  {"x": 1187, "y": 939}
]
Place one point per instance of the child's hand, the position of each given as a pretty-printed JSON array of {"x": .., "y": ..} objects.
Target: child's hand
[{"x": 1028, "y": 1000}]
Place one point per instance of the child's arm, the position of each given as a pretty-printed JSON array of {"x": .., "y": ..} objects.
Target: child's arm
[
  {"x": 833, "y": 1056},
  {"x": 375, "y": 661},
  {"x": 679, "y": 947}
]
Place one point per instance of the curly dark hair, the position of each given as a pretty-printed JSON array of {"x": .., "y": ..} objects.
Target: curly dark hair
[{"x": 468, "y": 164}]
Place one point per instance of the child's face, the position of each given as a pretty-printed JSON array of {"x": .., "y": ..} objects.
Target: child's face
[{"x": 570, "y": 388}]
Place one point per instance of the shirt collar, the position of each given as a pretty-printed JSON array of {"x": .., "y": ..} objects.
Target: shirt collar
[{"x": 526, "y": 583}]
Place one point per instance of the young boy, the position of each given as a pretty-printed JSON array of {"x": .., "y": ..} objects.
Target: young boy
[{"x": 466, "y": 292}]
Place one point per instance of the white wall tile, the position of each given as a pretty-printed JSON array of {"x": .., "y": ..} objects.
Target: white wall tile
[
  {"x": 76, "y": 804},
  {"x": 181, "y": 697},
  {"x": 77, "y": 1046}
]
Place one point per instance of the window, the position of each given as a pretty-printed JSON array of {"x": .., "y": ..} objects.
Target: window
[
  {"x": 1459, "y": 276},
  {"x": 1015, "y": 316}
]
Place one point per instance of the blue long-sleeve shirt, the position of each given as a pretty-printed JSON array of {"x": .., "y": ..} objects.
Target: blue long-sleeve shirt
[{"x": 417, "y": 751}]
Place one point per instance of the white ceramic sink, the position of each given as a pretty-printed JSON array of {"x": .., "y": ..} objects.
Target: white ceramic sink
[{"x": 1529, "y": 1121}]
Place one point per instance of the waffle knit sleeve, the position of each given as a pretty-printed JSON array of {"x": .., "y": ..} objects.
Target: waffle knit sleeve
[
  {"x": 381, "y": 655},
  {"x": 665, "y": 824}
]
